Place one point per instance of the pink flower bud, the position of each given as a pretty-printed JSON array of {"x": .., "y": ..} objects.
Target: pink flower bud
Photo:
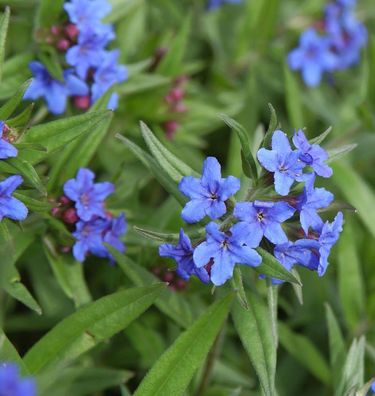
[
  {"x": 170, "y": 128},
  {"x": 70, "y": 216},
  {"x": 55, "y": 212},
  {"x": 82, "y": 102},
  {"x": 179, "y": 108},
  {"x": 62, "y": 45},
  {"x": 71, "y": 31},
  {"x": 168, "y": 277},
  {"x": 176, "y": 94},
  {"x": 55, "y": 30},
  {"x": 65, "y": 249},
  {"x": 64, "y": 200}
]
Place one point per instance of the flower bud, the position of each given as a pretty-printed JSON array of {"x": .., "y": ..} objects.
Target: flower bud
[
  {"x": 62, "y": 45},
  {"x": 82, "y": 102},
  {"x": 70, "y": 216},
  {"x": 71, "y": 31},
  {"x": 64, "y": 200}
]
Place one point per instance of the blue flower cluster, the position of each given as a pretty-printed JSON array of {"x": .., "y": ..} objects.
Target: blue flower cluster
[
  {"x": 10, "y": 207},
  {"x": 213, "y": 4},
  {"x": 94, "y": 226},
  {"x": 11, "y": 384},
  {"x": 93, "y": 69},
  {"x": 336, "y": 49},
  {"x": 258, "y": 223}
]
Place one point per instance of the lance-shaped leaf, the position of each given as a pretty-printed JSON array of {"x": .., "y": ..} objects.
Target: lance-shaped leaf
[
  {"x": 48, "y": 12},
  {"x": 293, "y": 99},
  {"x": 311, "y": 358},
  {"x": 255, "y": 331},
  {"x": 337, "y": 349},
  {"x": 273, "y": 268},
  {"x": 248, "y": 163},
  {"x": 4, "y": 23},
  {"x": 319, "y": 139},
  {"x": 7, "y": 109},
  {"x": 89, "y": 326},
  {"x": 170, "y": 303},
  {"x": 339, "y": 152},
  {"x": 8, "y": 353},
  {"x": 57, "y": 134},
  {"x": 162, "y": 237},
  {"x": 160, "y": 174},
  {"x": 175, "y": 168},
  {"x": 272, "y": 126},
  {"x": 172, "y": 373}
]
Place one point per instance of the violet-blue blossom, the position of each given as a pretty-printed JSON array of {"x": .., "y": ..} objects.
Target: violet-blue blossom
[
  {"x": 89, "y": 236},
  {"x": 88, "y": 196},
  {"x": 213, "y": 4},
  {"x": 264, "y": 219},
  {"x": 55, "y": 92},
  {"x": 182, "y": 253},
  {"x": 224, "y": 250},
  {"x": 86, "y": 13},
  {"x": 12, "y": 384},
  {"x": 282, "y": 161},
  {"x": 312, "y": 154},
  {"x": 309, "y": 202},
  {"x": 208, "y": 193},
  {"x": 107, "y": 74},
  {"x": 89, "y": 51},
  {"x": 320, "y": 244},
  {"x": 11, "y": 207},
  {"x": 7, "y": 150},
  {"x": 116, "y": 228},
  {"x": 313, "y": 57}
]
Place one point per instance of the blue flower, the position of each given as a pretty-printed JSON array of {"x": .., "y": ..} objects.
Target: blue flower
[
  {"x": 320, "y": 244},
  {"x": 313, "y": 57},
  {"x": 312, "y": 154},
  {"x": 107, "y": 74},
  {"x": 11, "y": 207},
  {"x": 89, "y": 51},
  {"x": 373, "y": 387},
  {"x": 282, "y": 161},
  {"x": 89, "y": 236},
  {"x": 6, "y": 149},
  {"x": 224, "y": 250},
  {"x": 88, "y": 196},
  {"x": 11, "y": 383},
  {"x": 264, "y": 219},
  {"x": 309, "y": 202},
  {"x": 54, "y": 92},
  {"x": 87, "y": 13},
  {"x": 208, "y": 194},
  {"x": 182, "y": 253},
  {"x": 116, "y": 228},
  {"x": 213, "y": 4}
]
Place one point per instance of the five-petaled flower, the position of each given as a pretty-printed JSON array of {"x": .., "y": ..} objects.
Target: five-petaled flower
[
  {"x": 55, "y": 92},
  {"x": 226, "y": 249},
  {"x": 182, "y": 253},
  {"x": 11, "y": 207},
  {"x": 312, "y": 154},
  {"x": 264, "y": 219},
  {"x": 208, "y": 193},
  {"x": 86, "y": 13},
  {"x": 87, "y": 195},
  {"x": 12, "y": 384},
  {"x": 282, "y": 161}
]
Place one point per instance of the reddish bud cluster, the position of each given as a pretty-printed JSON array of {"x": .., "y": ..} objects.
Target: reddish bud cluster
[
  {"x": 7, "y": 134},
  {"x": 174, "y": 100},
  {"x": 65, "y": 211},
  {"x": 61, "y": 37},
  {"x": 175, "y": 283}
]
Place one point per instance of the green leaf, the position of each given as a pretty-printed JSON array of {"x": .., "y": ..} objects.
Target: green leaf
[
  {"x": 78, "y": 153},
  {"x": 7, "y": 109},
  {"x": 8, "y": 353},
  {"x": 81, "y": 381},
  {"x": 68, "y": 273},
  {"x": 162, "y": 237},
  {"x": 160, "y": 174},
  {"x": 40, "y": 205},
  {"x": 172, "y": 373},
  {"x": 4, "y": 23},
  {"x": 319, "y": 139},
  {"x": 21, "y": 119},
  {"x": 337, "y": 350},
  {"x": 49, "y": 12},
  {"x": 172, "y": 62},
  {"x": 273, "y": 125},
  {"x": 353, "y": 373},
  {"x": 237, "y": 284},
  {"x": 173, "y": 166},
  {"x": 293, "y": 99},
  {"x": 255, "y": 331},
  {"x": 248, "y": 163},
  {"x": 350, "y": 279},
  {"x": 170, "y": 303},
  {"x": 273, "y": 268},
  {"x": 89, "y": 326},
  {"x": 357, "y": 192},
  {"x": 311, "y": 358},
  {"x": 339, "y": 152}
]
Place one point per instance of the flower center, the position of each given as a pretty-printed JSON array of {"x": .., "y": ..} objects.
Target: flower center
[
  {"x": 225, "y": 244},
  {"x": 260, "y": 216},
  {"x": 85, "y": 200}
]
